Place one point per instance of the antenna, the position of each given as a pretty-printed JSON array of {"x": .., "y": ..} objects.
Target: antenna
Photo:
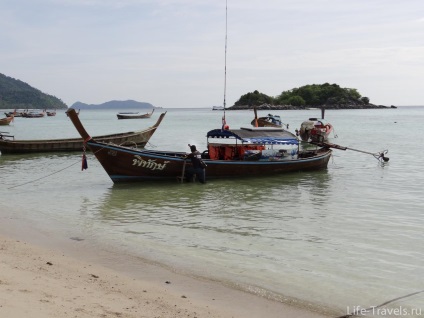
[{"x": 225, "y": 58}]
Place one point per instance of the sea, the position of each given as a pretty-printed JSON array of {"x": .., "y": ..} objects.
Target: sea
[{"x": 339, "y": 240}]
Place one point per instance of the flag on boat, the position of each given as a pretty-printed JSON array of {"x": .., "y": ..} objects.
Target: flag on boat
[
  {"x": 84, "y": 165},
  {"x": 224, "y": 124}
]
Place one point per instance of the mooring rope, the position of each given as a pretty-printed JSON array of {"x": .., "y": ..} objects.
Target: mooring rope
[
  {"x": 53, "y": 173},
  {"x": 43, "y": 177}
]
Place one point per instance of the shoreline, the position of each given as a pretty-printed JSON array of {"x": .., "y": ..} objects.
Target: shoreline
[{"x": 45, "y": 279}]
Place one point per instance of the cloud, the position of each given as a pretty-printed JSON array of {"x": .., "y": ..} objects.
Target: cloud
[{"x": 175, "y": 48}]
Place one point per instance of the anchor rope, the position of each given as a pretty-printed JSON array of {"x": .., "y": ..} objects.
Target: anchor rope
[
  {"x": 49, "y": 175},
  {"x": 46, "y": 176}
]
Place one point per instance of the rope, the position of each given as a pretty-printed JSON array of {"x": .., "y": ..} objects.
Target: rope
[
  {"x": 53, "y": 173},
  {"x": 150, "y": 144},
  {"x": 45, "y": 176},
  {"x": 134, "y": 145}
]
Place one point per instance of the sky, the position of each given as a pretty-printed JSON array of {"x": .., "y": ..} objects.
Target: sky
[{"x": 171, "y": 53}]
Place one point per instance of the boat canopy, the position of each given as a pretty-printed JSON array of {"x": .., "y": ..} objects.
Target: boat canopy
[{"x": 257, "y": 135}]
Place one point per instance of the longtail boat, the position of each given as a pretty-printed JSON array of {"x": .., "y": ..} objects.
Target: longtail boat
[
  {"x": 134, "y": 115},
  {"x": 34, "y": 114},
  {"x": 6, "y": 121},
  {"x": 266, "y": 121},
  {"x": 133, "y": 138},
  {"x": 245, "y": 152}
]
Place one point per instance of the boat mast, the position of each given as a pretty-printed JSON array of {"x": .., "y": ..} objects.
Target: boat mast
[{"x": 225, "y": 59}]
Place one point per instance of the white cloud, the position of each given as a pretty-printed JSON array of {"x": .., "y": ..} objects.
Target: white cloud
[{"x": 171, "y": 52}]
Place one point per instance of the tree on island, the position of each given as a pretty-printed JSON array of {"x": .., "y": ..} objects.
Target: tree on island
[
  {"x": 17, "y": 94},
  {"x": 255, "y": 99},
  {"x": 315, "y": 95}
]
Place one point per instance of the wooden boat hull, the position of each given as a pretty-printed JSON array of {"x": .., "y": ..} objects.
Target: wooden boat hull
[
  {"x": 123, "y": 164},
  {"x": 135, "y": 138},
  {"x": 267, "y": 121},
  {"x": 34, "y": 114},
  {"x": 6, "y": 121},
  {"x": 263, "y": 122}
]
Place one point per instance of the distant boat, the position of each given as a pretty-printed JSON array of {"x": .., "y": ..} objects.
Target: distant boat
[
  {"x": 8, "y": 145},
  {"x": 53, "y": 113},
  {"x": 15, "y": 113},
  {"x": 217, "y": 107},
  {"x": 267, "y": 121},
  {"x": 34, "y": 114},
  {"x": 134, "y": 115}
]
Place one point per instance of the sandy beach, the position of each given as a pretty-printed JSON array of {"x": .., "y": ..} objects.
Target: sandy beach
[{"x": 38, "y": 282}]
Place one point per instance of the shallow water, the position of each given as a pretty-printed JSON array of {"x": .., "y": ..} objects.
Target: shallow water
[{"x": 339, "y": 238}]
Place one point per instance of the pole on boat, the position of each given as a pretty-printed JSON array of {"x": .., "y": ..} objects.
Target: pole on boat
[
  {"x": 378, "y": 155},
  {"x": 183, "y": 173},
  {"x": 256, "y": 117},
  {"x": 225, "y": 61}
]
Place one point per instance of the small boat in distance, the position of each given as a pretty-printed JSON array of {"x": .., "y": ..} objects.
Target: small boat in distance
[
  {"x": 8, "y": 144},
  {"x": 52, "y": 113},
  {"x": 134, "y": 115},
  {"x": 34, "y": 114},
  {"x": 15, "y": 113},
  {"x": 240, "y": 153},
  {"x": 267, "y": 121},
  {"x": 217, "y": 107}
]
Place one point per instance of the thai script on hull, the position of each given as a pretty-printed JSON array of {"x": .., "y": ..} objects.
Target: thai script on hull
[{"x": 149, "y": 164}]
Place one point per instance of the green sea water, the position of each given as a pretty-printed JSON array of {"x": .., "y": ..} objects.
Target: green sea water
[{"x": 347, "y": 236}]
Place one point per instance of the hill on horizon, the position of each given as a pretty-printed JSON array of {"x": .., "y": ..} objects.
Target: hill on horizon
[
  {"x": 114, "y": 104},
  {"x": 17, "y": 94}
]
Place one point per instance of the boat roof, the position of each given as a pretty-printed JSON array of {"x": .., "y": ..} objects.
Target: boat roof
[{"x": 257, "y": 135}]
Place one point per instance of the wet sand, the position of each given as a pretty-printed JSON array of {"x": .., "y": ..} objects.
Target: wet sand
[{"x": 41, "y": 282}]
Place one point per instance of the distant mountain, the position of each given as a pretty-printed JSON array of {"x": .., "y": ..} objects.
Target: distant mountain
[
  {"x": 114, "y": 104},
  {"x": 17, "y": 94}
]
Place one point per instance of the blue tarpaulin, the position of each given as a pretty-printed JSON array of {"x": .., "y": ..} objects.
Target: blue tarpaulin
[{"x": 257, "y": 136}]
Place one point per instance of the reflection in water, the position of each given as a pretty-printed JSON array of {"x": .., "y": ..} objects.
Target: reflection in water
[
  {"x": 262, "y": 207},
  {"x": 22, "y": 169},
  {"x": 236, "y": 226}
]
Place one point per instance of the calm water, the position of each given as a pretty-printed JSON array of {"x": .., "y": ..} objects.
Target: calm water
[{"x": 347, "y": 236}]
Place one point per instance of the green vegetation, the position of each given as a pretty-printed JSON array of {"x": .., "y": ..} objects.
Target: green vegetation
[
  {"x": 17, "y": 94},
  {"x": 308, "y": 95},
  {"x": 254, "y": 99}
]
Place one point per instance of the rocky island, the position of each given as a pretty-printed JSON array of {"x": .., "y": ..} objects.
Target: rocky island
[{"x": 328, "y": 96}]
